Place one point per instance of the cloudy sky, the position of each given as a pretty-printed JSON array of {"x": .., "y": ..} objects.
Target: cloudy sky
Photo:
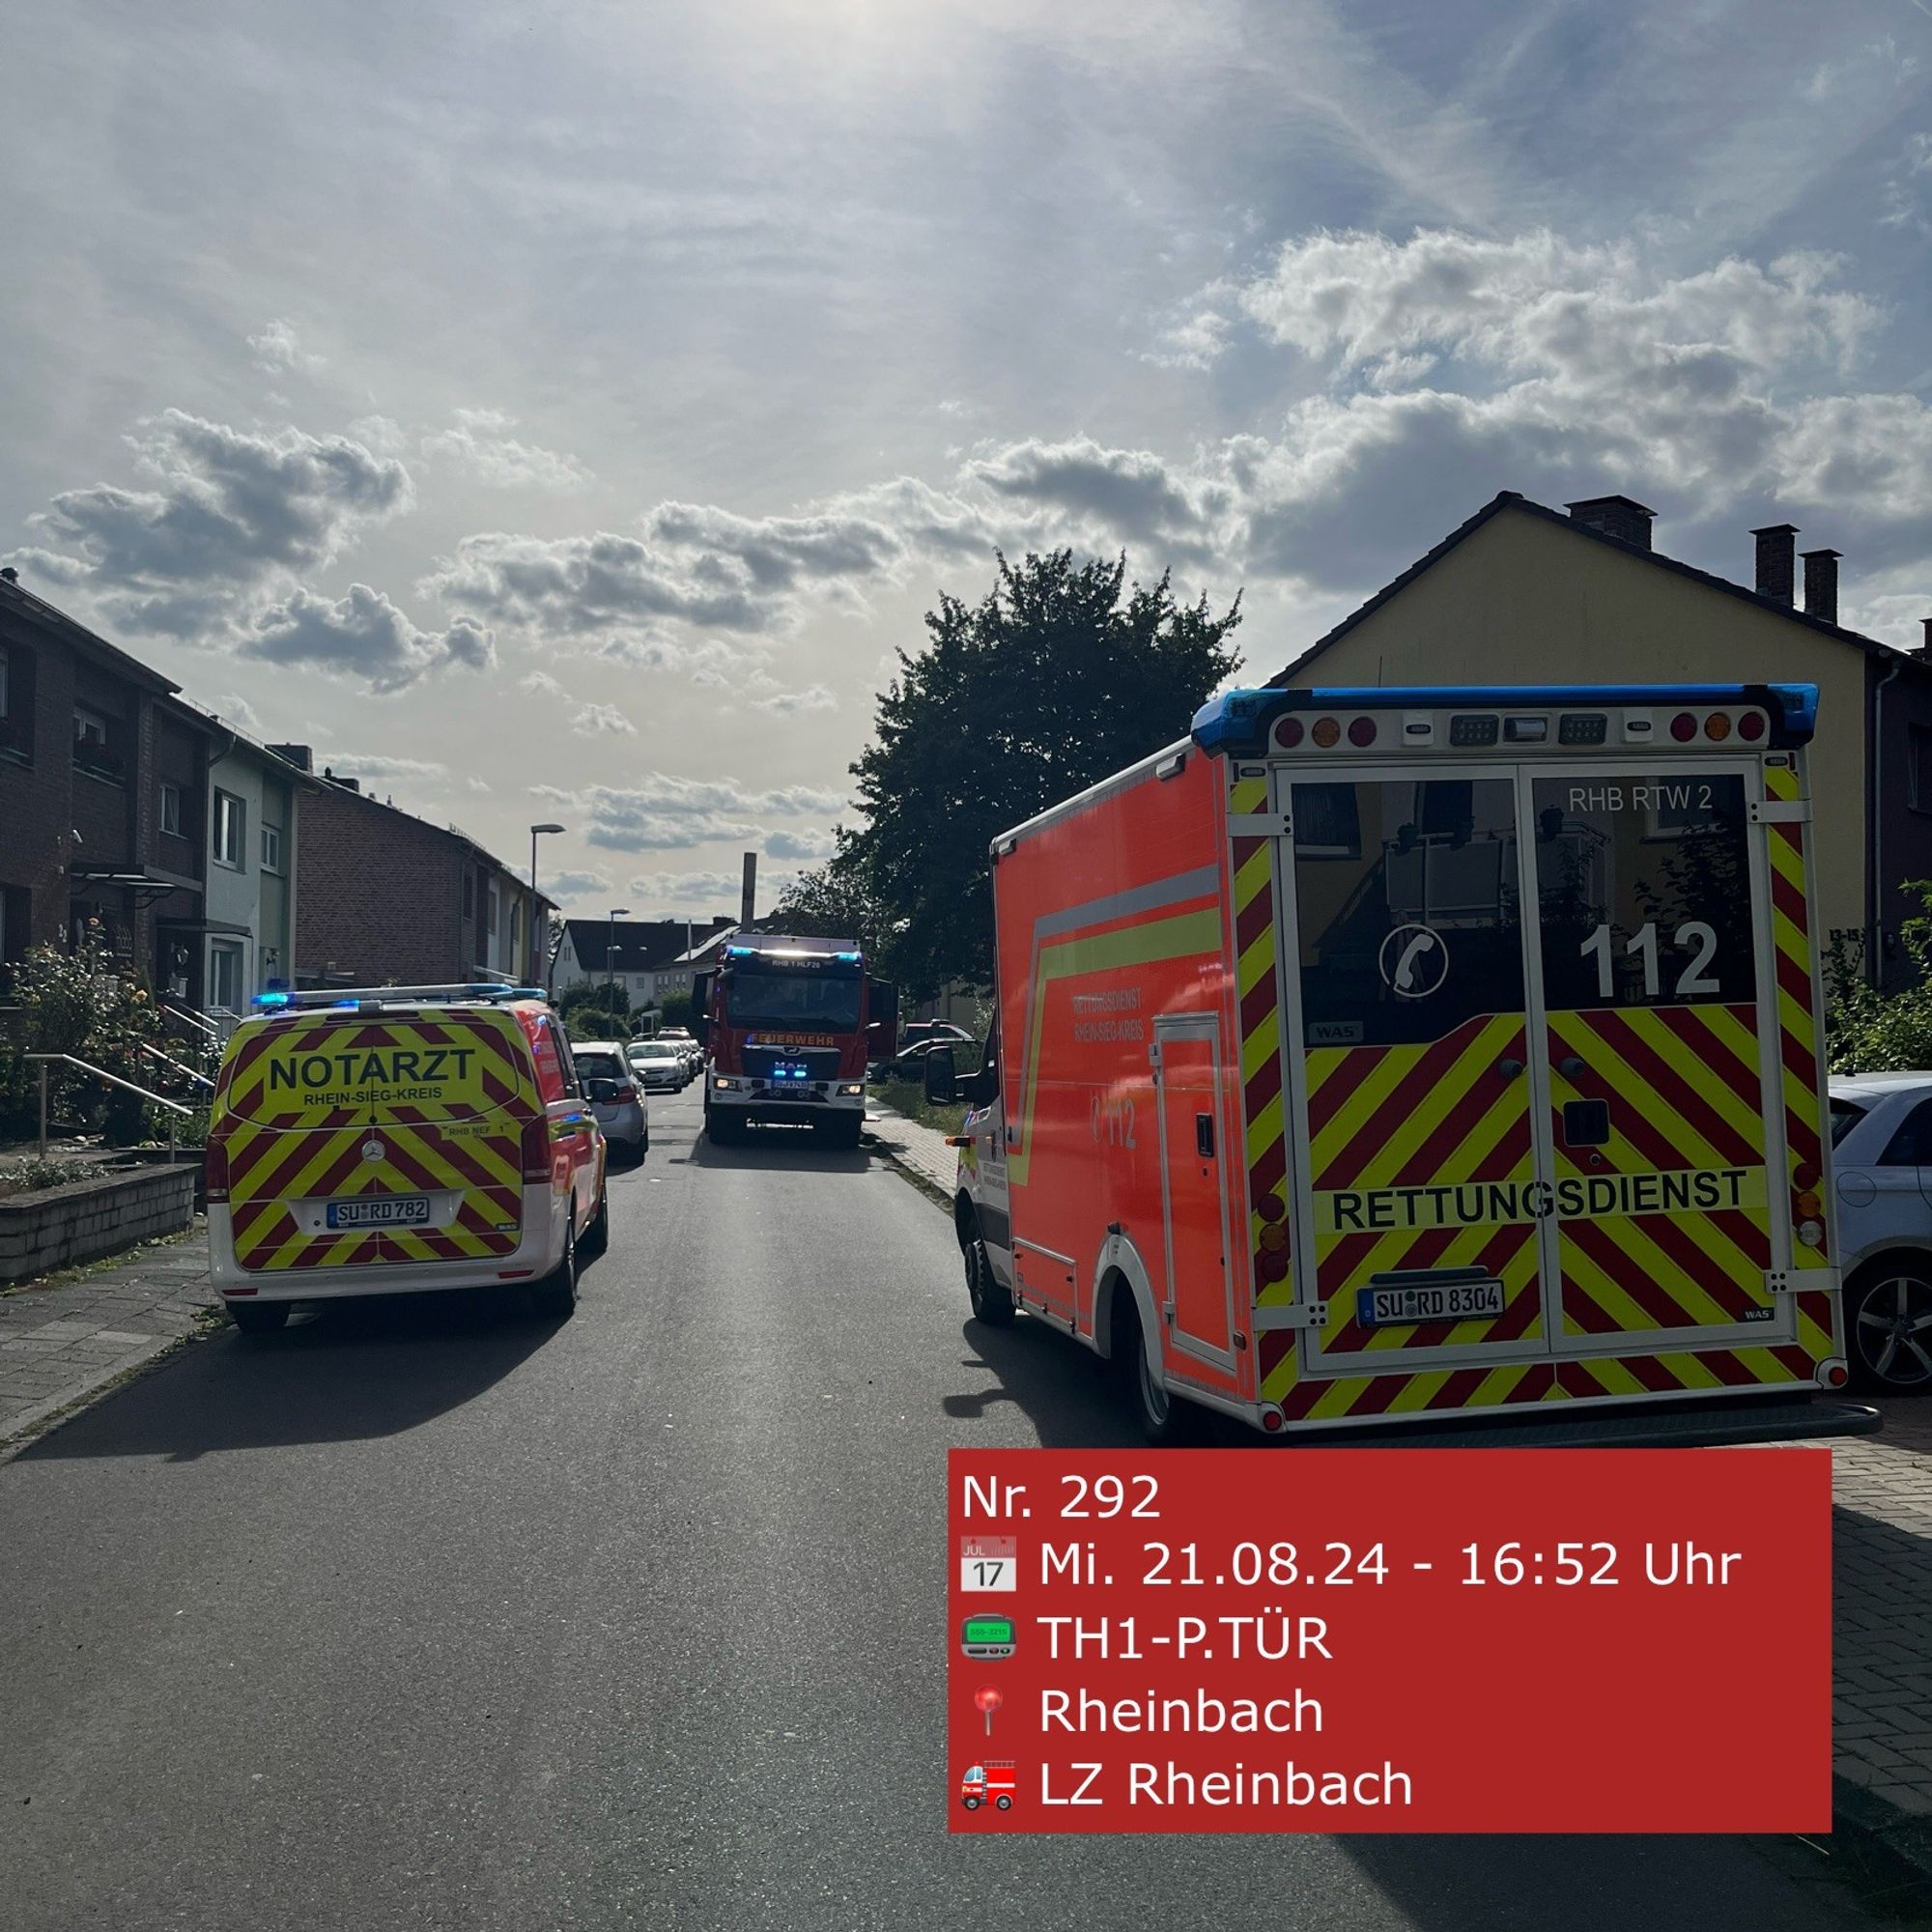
[{"x": 562, "y": 411}]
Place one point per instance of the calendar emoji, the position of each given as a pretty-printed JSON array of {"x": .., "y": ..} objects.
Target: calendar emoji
[{"x": 988, "y": 1563}]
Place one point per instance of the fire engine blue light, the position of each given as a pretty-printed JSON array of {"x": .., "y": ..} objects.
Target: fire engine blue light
[{"x": 1239, "y": 721}]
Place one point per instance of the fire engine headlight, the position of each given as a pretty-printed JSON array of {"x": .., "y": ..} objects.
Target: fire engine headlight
[
  {"x": 851, "y": 1090},
  {"x": 726, "y": 1083}
]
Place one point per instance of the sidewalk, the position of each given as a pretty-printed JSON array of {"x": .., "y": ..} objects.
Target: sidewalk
[
  {"x": 1882, "y": 1598},
  {"x": 62, "y": 1344}
]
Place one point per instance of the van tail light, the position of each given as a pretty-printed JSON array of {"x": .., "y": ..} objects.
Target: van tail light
[
  {"x": 218, "y": 1168},
  {"x": 536, "y": 1148}
]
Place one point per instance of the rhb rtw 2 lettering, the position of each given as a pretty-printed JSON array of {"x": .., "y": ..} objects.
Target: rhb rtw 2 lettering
[
  {"x": 372, "y": 1066},
  {"x": 1595, "y": 1197}
]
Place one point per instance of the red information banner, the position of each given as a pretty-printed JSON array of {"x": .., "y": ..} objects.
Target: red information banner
[{"x": 1394, "y": 1641}]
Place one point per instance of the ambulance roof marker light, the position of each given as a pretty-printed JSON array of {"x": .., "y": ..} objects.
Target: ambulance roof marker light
[{"x": 271, "y": 1002}]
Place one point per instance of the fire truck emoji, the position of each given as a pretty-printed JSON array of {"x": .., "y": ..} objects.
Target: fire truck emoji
[{"x": 993, "y": 1781}]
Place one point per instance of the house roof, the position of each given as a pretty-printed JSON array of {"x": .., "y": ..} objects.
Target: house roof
[
  {"x": 1512, "y": 499},
  {"x": 213, "y": 726},
  {"x": 642, "y": 945},
  {"x": 24, "y": 603}
]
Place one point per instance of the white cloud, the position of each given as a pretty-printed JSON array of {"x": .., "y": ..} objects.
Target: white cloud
[
  {"x": 541, "y": 684},
  {"x": 232, "y": 518},
  {"x": 376, "y": 765},
  {"x": 662, "y": 813},
  {"x": 382, "y": 433},
  {"x": 788, "y": 704},
  {"x": 814, "y": 846},
  {"x": 363, "y": 635},
  {"x": 235, "y": 710},
  {"x": 594, "y": 719},
  {"x": 278, "y": 351},
  {"x": 570, "y": 888},
  {"x": 481, "y": 442},
  {"x": 701, "y": 894}
]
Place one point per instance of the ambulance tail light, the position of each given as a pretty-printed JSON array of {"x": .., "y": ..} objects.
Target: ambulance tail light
[
  {"x": 1287, "y": 733},
  {"x": 1834, "y": 1374},
  {"x": 1361, "y": 731},
  {"x": 1750, "y": 727},
  {"x": 1717, "y": 727},
  {"x": 1327, "y": 732},
  {"x": 218, "y": 1168},
  {"x": 1684, "y": 726},
  {"x": 536, "y": 1149}
]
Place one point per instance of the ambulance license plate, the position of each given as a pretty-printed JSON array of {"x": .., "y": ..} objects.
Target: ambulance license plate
[
  {"x": 385, "y": 1210},
  {"x": 1451, "y": 1301}
]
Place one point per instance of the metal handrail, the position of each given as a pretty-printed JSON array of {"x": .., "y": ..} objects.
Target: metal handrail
[
  {"x": 193, "y": 1018},
  {"x": 179, "y": 1066},
  {"x": 113, "y": 1080}
]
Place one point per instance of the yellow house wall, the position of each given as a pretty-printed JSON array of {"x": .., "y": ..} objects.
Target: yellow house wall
[{"x": 1524, "y": 601}]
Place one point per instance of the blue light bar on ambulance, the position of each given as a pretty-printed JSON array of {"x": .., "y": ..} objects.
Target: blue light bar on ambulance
[{"x": 1239, "y": 721}]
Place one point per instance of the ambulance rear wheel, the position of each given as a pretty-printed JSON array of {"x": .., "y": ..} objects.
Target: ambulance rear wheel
[
  {"x": 554, "y": 1297},
  {"x": 259, "y": 1317},
  {"x": 1163, "y": 1419},
  {"x": 597, "y": 1235},
  {"x": 992, "y": 1304}
]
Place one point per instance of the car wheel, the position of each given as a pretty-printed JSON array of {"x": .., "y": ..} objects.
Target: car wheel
[
  {"x": 992, "y": 1303},
  {"x": 1889, "y": 1331},
  {"x": 597, "y": 1235},
  {"x": 554, "y": 1297},
  {"x": 259, "y": 1317}
]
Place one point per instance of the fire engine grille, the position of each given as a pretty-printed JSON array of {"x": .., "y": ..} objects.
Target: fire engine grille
[{"x": 820, "y": 1063}]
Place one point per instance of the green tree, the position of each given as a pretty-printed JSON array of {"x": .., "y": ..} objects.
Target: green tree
[
  {"x": 835, "y": 900},
  {"x": 1060, "y": 675},
  {"x": 1870, "y": 1031}
]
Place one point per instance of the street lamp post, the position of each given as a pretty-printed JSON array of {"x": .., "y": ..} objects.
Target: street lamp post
[
  {"x": 611, "y": 951},
  {"x": 536, "y": 939}
]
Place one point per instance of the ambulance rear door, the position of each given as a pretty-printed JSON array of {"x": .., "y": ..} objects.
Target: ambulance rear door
[
  {"x": 1410, "y": 1081},
  {"x": 1654, "y": 974}
]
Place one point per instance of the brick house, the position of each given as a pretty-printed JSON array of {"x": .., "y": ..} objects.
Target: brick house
[
  {"x": 100, "y": 784},
  {"x": 388, "y": 899}
]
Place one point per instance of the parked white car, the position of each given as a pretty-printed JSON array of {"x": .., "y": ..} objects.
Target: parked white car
[
  {"x": 1882, "y": 1163},
  {"x": 616, "y": 1095}
]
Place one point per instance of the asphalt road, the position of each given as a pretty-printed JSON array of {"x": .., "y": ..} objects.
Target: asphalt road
[{"x": 430, "y": 1615}]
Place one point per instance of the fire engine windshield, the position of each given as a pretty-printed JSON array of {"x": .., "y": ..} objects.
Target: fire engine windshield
[{"x": 779, "y": 998}]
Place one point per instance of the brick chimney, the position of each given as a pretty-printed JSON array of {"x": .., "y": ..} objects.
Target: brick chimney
[
  {"x": 1621, "y": 517},
  {"x": 1926, "y": 625},
  {"x": 1820, "y": 584},
  {"x": 1777, "y": 560}
]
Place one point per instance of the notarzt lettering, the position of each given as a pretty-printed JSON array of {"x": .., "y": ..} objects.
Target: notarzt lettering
[{"x": 372, "y": 1066}]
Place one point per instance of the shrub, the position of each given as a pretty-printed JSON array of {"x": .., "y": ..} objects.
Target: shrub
[{"x": 1867, "y": 1031}]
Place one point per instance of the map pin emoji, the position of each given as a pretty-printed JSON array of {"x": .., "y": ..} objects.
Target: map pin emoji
[{"x": 987, "y": 1700}]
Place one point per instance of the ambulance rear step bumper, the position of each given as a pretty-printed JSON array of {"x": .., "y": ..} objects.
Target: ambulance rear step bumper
[{"x": 1669, "y": 1425}]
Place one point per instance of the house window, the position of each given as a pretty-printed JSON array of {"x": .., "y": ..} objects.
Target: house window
[
  {"x": 171, "y": 810},
  {"x": 490, "y": 928},
  {"x": 92, "y": 743},
  {"x": 17, "y": 703},
  {"x": 1919, "y": 769},
  {"x": 231, "y": 830},
  {"x": 271, "y": 848},
  {"x": 468, "y": 893},
  {"x": 224, "y": 974}
]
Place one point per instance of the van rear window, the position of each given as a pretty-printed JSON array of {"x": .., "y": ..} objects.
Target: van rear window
[{"x": 449, "y": 1068}]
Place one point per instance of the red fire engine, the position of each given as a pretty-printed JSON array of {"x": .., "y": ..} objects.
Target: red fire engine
[
  {"x": 1385, "y": 1058},
  {"x": 993, "y": 1782},
  {"x": 789, "y": 1025}
]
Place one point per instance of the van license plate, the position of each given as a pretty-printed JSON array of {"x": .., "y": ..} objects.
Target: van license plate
[
  {"x": 1453, "y": 1301},
  {"x": 387, "y": 1210}
]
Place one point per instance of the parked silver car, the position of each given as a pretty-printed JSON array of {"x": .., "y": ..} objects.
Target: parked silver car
[
  {"x": 1882, "y": 1166},
  {"x": 658, "y": 1066},
  {"x": 616, "y": 1095}
]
